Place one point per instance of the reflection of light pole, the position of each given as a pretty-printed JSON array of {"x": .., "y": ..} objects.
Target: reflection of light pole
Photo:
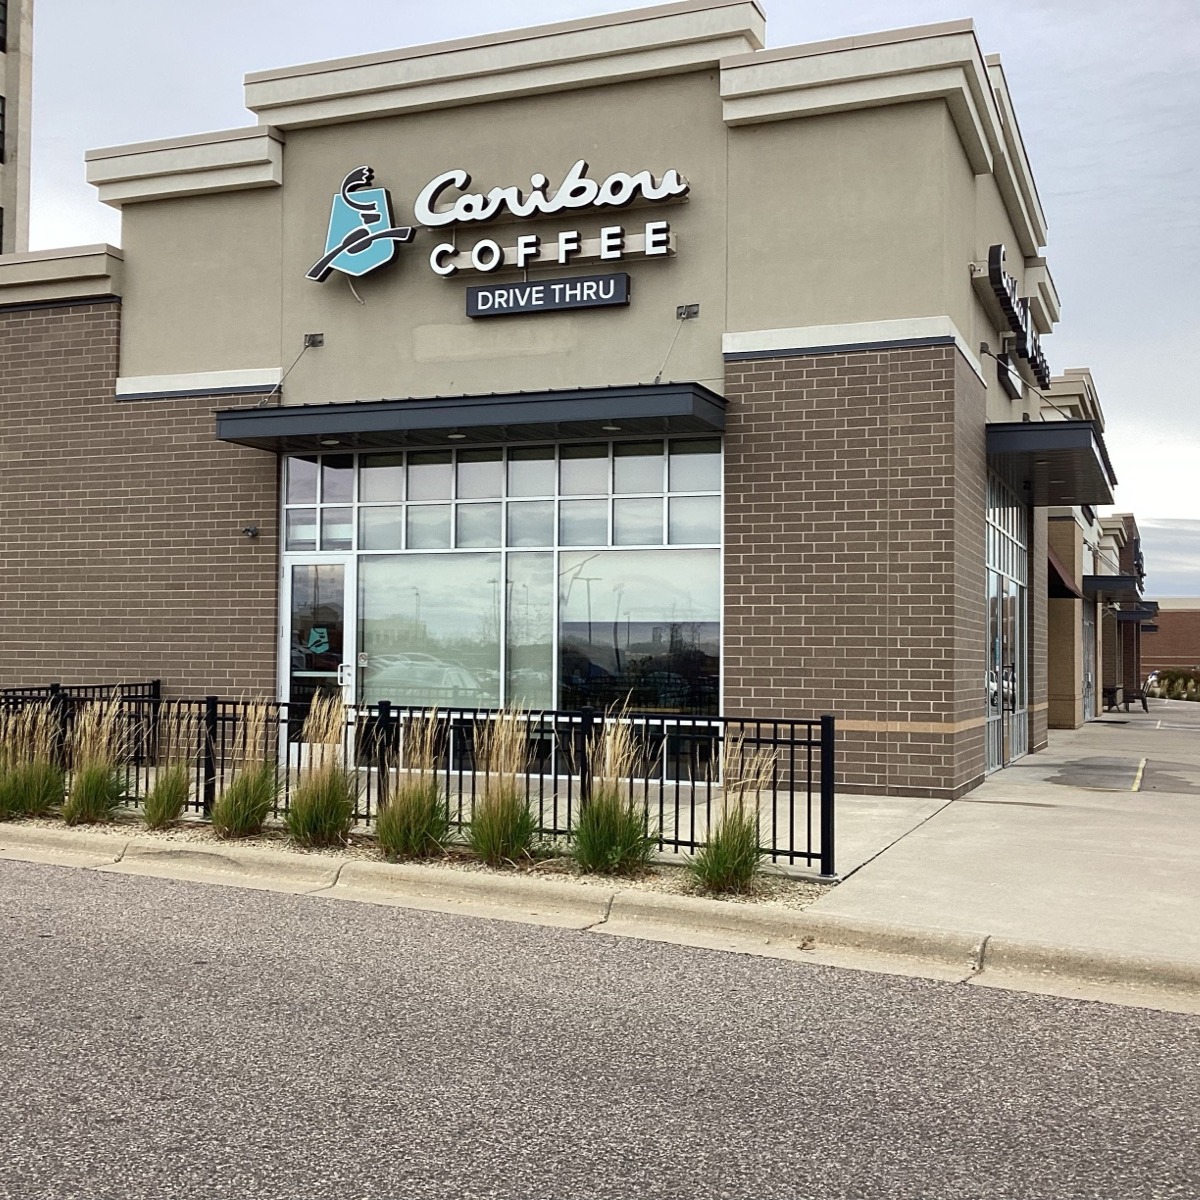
[
  {"x": 589, "y": 580},
  {"x": 525, "y": 631},
  {"x": 618, "y": 588},
  {"x": 417, "y": 593}
]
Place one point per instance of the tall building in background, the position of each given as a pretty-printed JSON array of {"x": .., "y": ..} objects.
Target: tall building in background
[{"x": 16, "y": 85}]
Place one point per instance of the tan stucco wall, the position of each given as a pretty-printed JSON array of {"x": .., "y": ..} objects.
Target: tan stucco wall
[
  {"x": 202, "y": 284},
  {"x": 853, "y": 217}
]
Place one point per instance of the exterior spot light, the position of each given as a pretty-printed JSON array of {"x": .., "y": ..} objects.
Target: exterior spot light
[
  {"x": 251, "y": 531},
  {"x": 330, "y": 441}
]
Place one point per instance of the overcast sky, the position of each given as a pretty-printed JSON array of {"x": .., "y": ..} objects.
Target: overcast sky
[{"x": 1107, "y": 93}]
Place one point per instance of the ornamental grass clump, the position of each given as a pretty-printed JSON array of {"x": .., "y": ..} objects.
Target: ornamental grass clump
[
  {"x": 179, "y": 745},
  {"x": 413, "y": 820},
  {"x": 729, "y": 860},
  {"x": 323, "y": 800},
  {"x": 31, "y": 781},
  {"x": 503, "y": 828},
  {"x": 614, "y": 834},
  {"x": 253, "y": 791},
  {"x": 99, "y": 748}
]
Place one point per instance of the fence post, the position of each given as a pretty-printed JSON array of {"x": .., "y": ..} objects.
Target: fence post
[
  {"x": 210, "y": 753},
  {"x": 587, "y": 718},
  {"x": 384, "y": 722},
  {"x": 827, "y": 819},
  {"x": 59, "y": 710}
]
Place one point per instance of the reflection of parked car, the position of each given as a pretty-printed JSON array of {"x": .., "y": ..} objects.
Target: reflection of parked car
[{"x": 423, "y": 680}]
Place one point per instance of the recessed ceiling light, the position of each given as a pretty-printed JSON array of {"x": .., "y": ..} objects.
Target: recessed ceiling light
[
  {"x": 328, "y": 441},
  {"x": 456, "y": 437},
  {"x": 611, "y": 428}
]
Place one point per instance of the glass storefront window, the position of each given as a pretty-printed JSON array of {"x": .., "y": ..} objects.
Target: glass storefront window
[
  {"x": 430, "y": 475},
  {"x": 694, "y": 520},
  {"x": 480, "y": 474},
  {"x": 429, "y": 628},
  {"x": 583, "y": 470},
  {"x": 429, "y": 527},
  {"x": 381, "y": 528},
  {"x": 637, "y": 467},
  {"x": 381, "y": 478},
  {"x": 531, "y": 523},
  {"x": 529, "y": 671},
  {"x": 478, "y": 525},
  {"x": 553, "y": 576},
  {"x": 583, "y": 522},
  {"x": 695, "y": 465},
  {"x": 642, "y": 628},
  {"x": 301, "y": 529},
  {"x": 637, "y": 522},
  {"x": 531, "y": 471},
  {"x": 337, "y": 478},
  {"x": 301, "y": 480},
  {"x": 337, "y": 528}
]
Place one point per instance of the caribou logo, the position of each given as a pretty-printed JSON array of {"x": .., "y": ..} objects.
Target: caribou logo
[{"x": 361, "y": 234}]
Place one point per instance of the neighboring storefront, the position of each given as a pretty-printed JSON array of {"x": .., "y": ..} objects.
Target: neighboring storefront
[{"x": 614, "y": 360}]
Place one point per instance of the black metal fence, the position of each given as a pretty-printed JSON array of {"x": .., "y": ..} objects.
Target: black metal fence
[{"x": 681, "y": 761}]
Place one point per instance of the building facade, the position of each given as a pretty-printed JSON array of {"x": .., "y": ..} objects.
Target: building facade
[
  {"x": 618, "y": 360},
  {"x": 16, "y": 84},
  {"x": 1172, "y": 641}
]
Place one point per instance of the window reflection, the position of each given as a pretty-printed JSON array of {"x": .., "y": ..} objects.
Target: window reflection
[
  {"x": 430, "y": 628},
  {"x": 381, "y": 478},
  {"x": 642, "y": 628},
  {"x": 337, "y": 478},
  {"x": 530, "y": 670}
]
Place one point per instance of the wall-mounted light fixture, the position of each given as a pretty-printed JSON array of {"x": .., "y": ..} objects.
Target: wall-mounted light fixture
[{"x": 251, "y": 531}]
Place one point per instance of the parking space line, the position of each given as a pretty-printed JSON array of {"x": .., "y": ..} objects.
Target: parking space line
[{"x": 1137, "y": 779}]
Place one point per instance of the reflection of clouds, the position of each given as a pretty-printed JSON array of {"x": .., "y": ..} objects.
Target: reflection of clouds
[
  {"x": 456, "y": 590},
  {"x": 666, "y": 585}
]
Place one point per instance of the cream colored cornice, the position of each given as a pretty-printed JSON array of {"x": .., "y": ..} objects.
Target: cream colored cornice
[
  {"x": 648, "y": 42},
  {"x": 229, "y": 160},
  {"x": 927, "y": 62},
  {"x": 47, "y": 276},
  {"x": 1014, "y": 176}
]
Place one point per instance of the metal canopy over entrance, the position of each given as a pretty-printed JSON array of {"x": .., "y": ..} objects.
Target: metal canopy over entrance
[
  {"x": 652, "y": 409},
  {"x": 1052, "y": 462},
  {"x": 1115, "y": 588}
]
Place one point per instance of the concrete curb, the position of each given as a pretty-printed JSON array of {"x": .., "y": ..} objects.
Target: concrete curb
[
  {"x": 500, "y": 897},
  {"x": 16, "y": 841},
  {"x": 147, "y": 856},
  {"x": 967, "y": 956},
  {"x": 1011, "y": 956},
  {"x": 799, "y": 928}
]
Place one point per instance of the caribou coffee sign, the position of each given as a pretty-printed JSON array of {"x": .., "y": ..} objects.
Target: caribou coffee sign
[
  {"x": 1018, "y": 315},
  {"x": 362, "y": 235}
]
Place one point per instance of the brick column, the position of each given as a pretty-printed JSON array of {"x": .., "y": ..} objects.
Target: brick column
[{"x": 854, "y": 558}]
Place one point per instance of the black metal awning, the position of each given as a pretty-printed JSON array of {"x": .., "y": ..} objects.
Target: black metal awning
[
  {"x": 515, "y": 417},
  {"x": 1141, "y": 612},
  {"x": 1057, "y": 462},
  {"x": 1115, "y": 588}
]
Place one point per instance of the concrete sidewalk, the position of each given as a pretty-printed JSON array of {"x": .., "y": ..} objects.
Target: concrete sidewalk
[{"x": 1091, "y": 846}]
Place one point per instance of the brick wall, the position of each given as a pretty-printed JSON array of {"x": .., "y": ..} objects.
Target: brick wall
[
  {"x": 1177, "y": 642},
  {"x": 854, "y": 557},
  {"x": 123, "y": 556}
]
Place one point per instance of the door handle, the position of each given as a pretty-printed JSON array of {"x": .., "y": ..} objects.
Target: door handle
[{"x": 345, "y": 674}]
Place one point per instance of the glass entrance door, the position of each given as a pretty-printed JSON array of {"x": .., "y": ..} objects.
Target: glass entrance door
[
  {"x": 1006, "y": 667},
  {"x": 1089, "y": 660},
  {"x": 318, "y": 629}
]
